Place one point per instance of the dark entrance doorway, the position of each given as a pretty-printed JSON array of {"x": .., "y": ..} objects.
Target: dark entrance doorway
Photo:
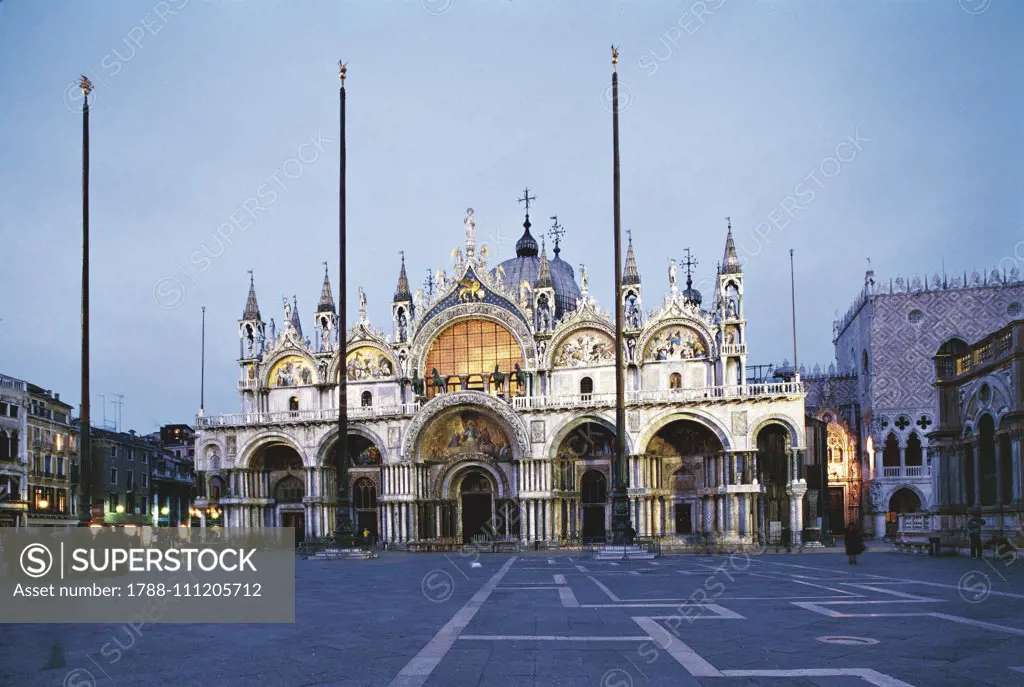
[
  {"x": 836, "y": 510},
  {"x": 594, "y": 488},
  {"x": 684, "y": 518},
  {"x": 364, "y": 500},
  {"x": 296, "y": 520},
  {"x": 477, "y": 498}
]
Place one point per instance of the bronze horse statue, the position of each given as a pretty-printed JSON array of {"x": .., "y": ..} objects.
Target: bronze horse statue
[{"x": 440, "y": 383}]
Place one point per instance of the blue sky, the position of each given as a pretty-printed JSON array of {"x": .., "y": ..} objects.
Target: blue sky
[{"x": 741, "y": 112}]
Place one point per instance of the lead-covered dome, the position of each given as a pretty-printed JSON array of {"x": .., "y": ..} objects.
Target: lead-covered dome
[{"x": 526, "y": 267}]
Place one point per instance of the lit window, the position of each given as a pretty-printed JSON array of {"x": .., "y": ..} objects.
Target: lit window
[{"x": 471, "y": 347}]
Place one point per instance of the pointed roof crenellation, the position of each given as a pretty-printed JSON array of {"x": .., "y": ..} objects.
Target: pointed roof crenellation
[
  {"x": 252, "y": 308},
  {"x": 402, "y": 291},
  {"x": 544, "y": 280},
  {"x": 630, "y": 274},
  {"x": 296, "y": 320},
  {"x": 731, "y": 262},
  {"x": 326, "y": 303}
]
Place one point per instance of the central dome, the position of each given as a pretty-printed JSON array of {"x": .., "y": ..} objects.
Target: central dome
[{"x": 526, "y": 267}]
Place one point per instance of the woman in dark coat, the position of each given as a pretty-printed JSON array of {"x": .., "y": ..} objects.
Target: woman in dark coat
[{"x": 853, "y": 540}]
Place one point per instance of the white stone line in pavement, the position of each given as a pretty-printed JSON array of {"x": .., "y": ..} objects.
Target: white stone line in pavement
[
  {"x": 567, "y": 597},
  {"x": 872, "y": 677},
  {"x": 609, "y": 593},
  {"x": 891, "y": 592},
  {"x": 721, "y": 613},
  {"x": 689, "y": 659},
  {"x": 940, "y": 585},
  {"x": 1019, "y": 669},
  {"x": 559, "y": 579},
  {"x": 417, "y": 670},
  {"x": 697, "y": 666},
  {"x": 510, "y": 588},
  {"x": 980, "y": 623},
  {"x": 582, "y": 568},
  {"x": 550, "y": 638}
]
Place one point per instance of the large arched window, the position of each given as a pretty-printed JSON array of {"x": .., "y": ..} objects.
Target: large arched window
[
  {"x": 471, "y": 347},
  {"x": 366, "y": 399}
]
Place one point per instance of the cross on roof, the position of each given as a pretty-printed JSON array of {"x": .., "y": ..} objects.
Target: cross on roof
[
  {"x": 428, "y": 283},
  {"x": 556, "y": 232},
  {"x": 729, "y": 222},
  {"x": 527, "y": 198},
  {"x": 689, "y": 263},
  {"x": 629, "y": 234},
  {"x": 325, "y": 266}
]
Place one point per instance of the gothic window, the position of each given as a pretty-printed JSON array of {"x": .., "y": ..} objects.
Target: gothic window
[
  {"x": 366, "y": 400},
  {"x": 675, "y": 381},
  {"x": 586, "y": 386},
  {"x": 913, "y": 454},
  {"x": 293, "y": 404},
  {"x": 471, "y": 347},
  {"x": 364, "y": 494},
  {"x": 288, "y": 490},
  {"x": 891, "y": 451},
  {"x": 5, "y": 446}
]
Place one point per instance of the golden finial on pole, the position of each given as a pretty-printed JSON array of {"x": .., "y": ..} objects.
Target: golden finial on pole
[
  {"x": 615, "y": 56},
  {"x": 342, "y": 69},
  {"x": 85, "y": 85}
]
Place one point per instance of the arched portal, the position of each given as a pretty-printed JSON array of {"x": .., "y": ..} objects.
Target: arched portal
[
  {"x": 594, "y": 496},
  {"x": 774, "y": 465},
  {"x": 476, "y": 496},
  {"x": 364, "y": 468},
  {"x": 903, "y": 500},
  {"x": 275, "y": 473},
  {"x": 684, "y": 447}
]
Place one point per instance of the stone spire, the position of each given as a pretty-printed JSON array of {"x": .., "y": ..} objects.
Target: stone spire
[
  {"x": 296, "y": 322},
  {"x": 402, "y": 292},
  {"x": 252, "y": 308},
  {"x": 544, "y": 277},
  {"x": 731, "y": 262},
  {"x": 326, "y": 303},
  {"x": 630, "y": 275}
]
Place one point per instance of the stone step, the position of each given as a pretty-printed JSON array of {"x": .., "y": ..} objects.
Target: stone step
[
  {"x": 618, "y": 553},
  {"x": 342, "y": 554}
]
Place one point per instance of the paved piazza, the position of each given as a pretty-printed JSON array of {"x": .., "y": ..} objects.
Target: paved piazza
[{"x": 560, "y": 619}]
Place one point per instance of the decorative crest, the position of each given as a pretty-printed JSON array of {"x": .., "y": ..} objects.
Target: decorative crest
[
  {"x": 342, "y": 71},
  {"x": 85, "y": 84},
  {"x": 615, "y": 55}
]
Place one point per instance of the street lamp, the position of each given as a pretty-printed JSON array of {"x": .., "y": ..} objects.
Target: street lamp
[
  {"x": 43, "y": 504},
  {"x": 165, "y": 511},
  {"x": 119, "y": 509}
]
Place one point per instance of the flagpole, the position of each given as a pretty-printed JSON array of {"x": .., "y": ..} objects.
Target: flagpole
[{"x": 85, "y": 474}]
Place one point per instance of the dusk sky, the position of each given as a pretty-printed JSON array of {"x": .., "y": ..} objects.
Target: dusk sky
[{"x": 742, "y": 112}]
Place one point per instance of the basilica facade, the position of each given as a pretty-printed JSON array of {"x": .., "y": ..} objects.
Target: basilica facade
[{"x": 488, "y": 409}]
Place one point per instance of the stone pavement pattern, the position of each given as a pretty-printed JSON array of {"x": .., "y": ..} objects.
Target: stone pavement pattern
[{"x": 406, "y": 619}]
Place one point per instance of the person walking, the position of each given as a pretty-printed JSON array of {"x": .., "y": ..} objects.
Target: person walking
[
  {"x": 853, "y": 540},
  {"x": 974, "y": 526}
]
